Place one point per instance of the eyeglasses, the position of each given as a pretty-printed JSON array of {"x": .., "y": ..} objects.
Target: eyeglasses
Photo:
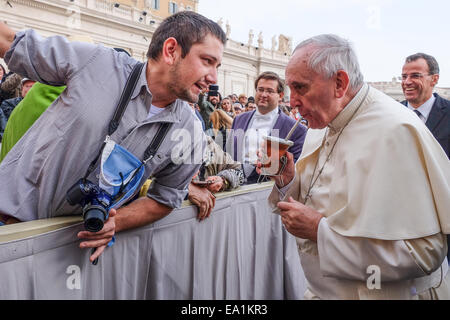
[
  {"x": 414, "y": 76},
  {"x": 268, "y": 91}
]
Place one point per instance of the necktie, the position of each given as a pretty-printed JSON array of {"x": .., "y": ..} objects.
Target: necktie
[{"x": 417, "y": 112}]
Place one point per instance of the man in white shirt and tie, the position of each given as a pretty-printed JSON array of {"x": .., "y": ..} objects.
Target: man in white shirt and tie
[
  {"x": 250, "y": 127},
  {"x": 420, "y": 74}
]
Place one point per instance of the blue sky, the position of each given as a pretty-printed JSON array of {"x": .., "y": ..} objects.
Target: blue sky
[{"x": 383, "y": 32}]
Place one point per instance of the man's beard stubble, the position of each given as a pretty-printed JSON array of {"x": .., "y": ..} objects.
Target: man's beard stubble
[{"x": 178, "y": 88}]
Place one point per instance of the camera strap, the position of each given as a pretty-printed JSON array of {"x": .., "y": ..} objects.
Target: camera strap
[{"x": 120, "y": 110}]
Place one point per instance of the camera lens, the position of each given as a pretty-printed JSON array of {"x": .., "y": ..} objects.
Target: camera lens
[{"x": 94, "y": 218}]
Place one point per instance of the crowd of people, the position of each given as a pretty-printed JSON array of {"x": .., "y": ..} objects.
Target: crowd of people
[
  {"x": 365, "y": 182},
  {"x": 13, "y": 88},
  {"x": 232, "y": 105}
]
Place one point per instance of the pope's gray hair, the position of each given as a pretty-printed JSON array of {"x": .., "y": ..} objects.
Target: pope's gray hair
[{"x": 332, "y": 53}]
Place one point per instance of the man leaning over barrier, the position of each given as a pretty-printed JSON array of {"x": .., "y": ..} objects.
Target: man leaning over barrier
[{"x": 62, "y": 147}]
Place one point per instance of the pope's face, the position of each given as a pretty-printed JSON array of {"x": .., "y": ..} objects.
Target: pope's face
[
  {"x": 311, "y": 94},
  {"x": 197, "y": 70}
]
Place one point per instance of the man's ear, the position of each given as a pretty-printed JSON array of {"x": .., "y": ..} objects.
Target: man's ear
[
  {"x": 435, "y": 79},
  {"x": 170, "y": 51},
  {"x": 341, "y": 84}
]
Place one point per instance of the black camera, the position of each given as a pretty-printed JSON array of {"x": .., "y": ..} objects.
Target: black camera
[
  {"x": 94, "y": 200},
  {"x": 213, "y": 90}
]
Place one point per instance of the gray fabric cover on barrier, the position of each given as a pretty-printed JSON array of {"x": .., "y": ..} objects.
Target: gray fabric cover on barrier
[{"x": 241, "y": 252}]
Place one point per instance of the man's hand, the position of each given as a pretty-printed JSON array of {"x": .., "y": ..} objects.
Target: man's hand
[
  {"x": 203, "y": 199},
  {"x": 299, "y": 220},
  {"x": 101, "y": 238},
  {"x": 217, "y": 185},
  {"x": 287, "y": 174}
]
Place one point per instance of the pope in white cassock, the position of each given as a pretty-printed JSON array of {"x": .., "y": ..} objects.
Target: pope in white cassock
[{"x": 369, "y": 198}]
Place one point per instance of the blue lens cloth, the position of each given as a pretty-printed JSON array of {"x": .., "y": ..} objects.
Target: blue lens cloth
[
  {"x": 113, "y": 240},
  {"x": 120, "y": 168}
]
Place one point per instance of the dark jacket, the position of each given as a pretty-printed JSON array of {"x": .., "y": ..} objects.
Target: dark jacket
[
  {"x": 438, "y": 122},
  {"x": 8, "y": 106},
  {"x": 2, "y": 124}
]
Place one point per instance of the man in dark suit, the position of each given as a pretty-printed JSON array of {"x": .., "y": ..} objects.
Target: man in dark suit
[
  {"x": 420, "y": 75},
  {"x": 267, "y": 119}
]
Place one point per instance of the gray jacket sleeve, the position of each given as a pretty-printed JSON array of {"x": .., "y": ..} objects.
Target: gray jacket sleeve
[
  {"x": 53, "y": 60},
  {"x": 170, "y": 185}
]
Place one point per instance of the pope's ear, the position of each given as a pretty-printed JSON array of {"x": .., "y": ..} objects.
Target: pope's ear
[
  {"x": 341, "y": 84},
  {"x": 170, "y": 50}
]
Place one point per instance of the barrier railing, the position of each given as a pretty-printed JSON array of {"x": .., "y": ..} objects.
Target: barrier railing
[{"x": 241, "y": 252}]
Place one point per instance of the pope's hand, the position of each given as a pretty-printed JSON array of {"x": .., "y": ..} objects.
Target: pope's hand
[
  {"x": 286, "y": 176},
  {"x": 299, "y": 220}
]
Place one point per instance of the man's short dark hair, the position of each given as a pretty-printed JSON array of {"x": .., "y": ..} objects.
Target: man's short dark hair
[
  {"x": 188, "y": 28},
  {"x": 433, "y": 66},
  {"x": 269, "y": 75}
]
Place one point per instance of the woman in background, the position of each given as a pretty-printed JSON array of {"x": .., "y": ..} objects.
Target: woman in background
[
  {"x": 225, "y": 104},
  {"x": 221, "y": 121}
]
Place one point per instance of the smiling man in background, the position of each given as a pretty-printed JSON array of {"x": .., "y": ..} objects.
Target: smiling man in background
[{"x": 420, "y": 75}]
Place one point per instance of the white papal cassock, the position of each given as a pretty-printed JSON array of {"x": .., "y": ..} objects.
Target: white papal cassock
[{"x": 385, "y": 195}]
